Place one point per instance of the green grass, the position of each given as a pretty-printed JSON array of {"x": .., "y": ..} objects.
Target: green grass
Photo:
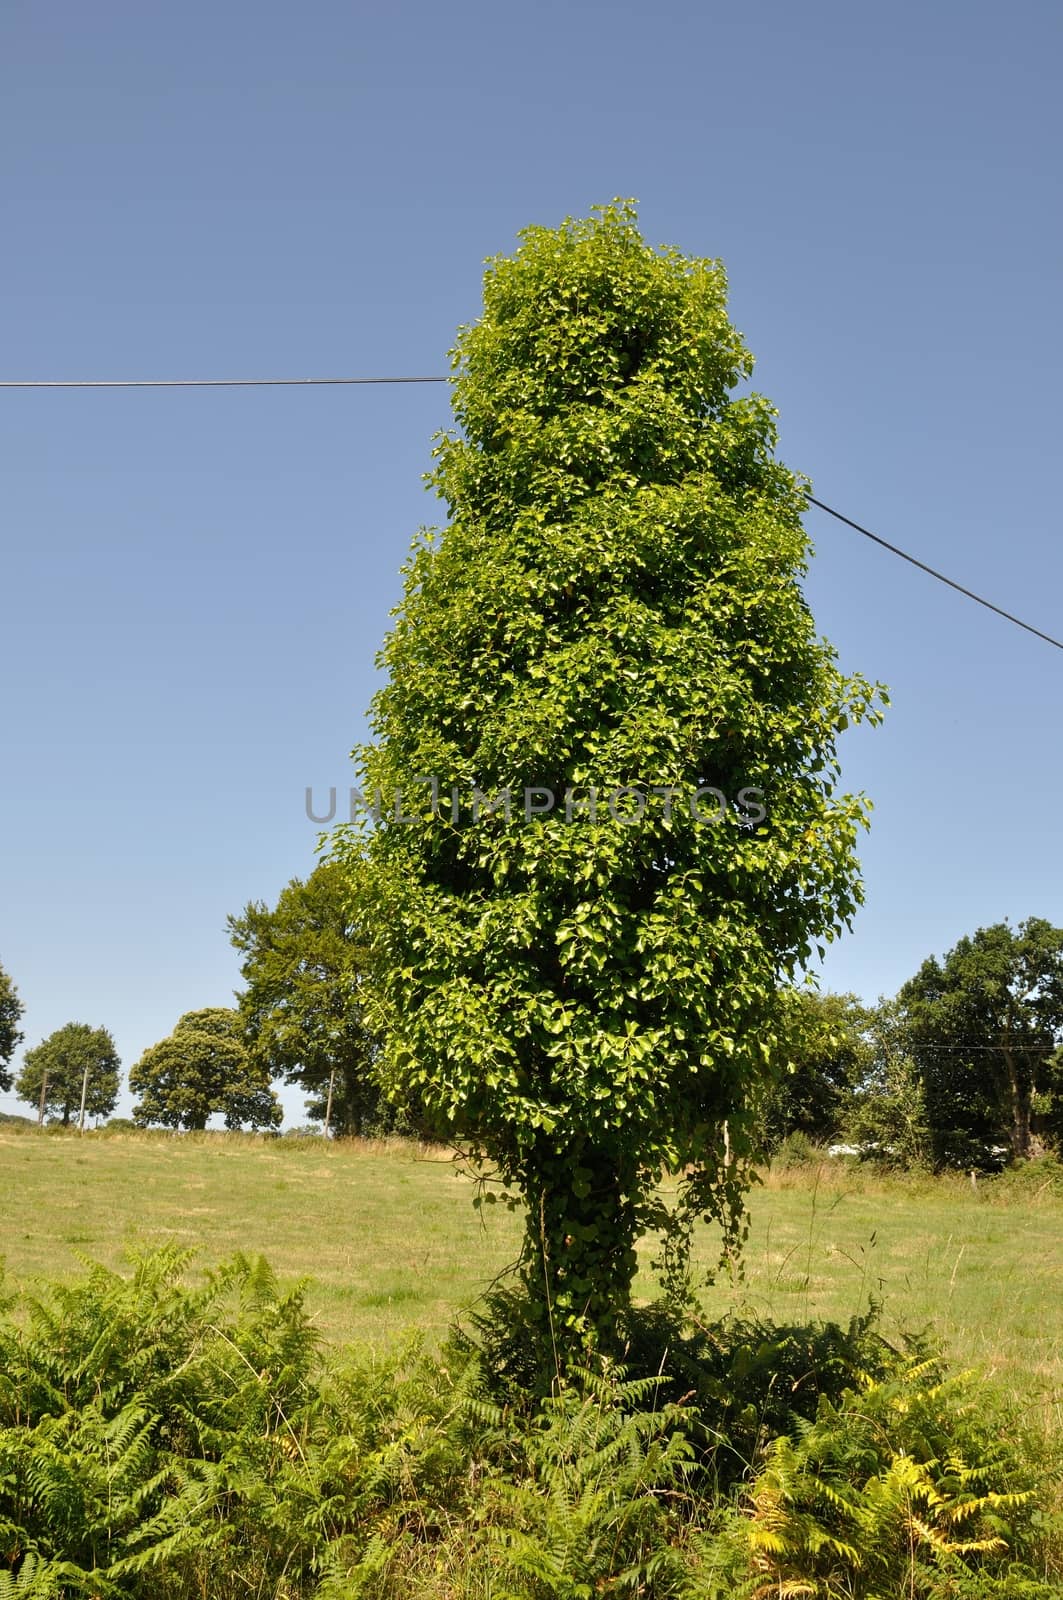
[
  {"x": 980, "y": 1269},
  {"x": 389, "y": 1238},
  {"x": 386, "y": 1231}
]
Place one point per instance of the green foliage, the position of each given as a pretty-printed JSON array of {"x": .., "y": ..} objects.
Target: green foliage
[
  {"x": 203, "y": 1068},
  {"x": 161, "y": 1442},
  {"x": 63, "y": 1058},
  {"x": 901, "y": 1487},
  {"x": 586, "y": 999},
  {"x": 127, "y": 1408},
  {"x": 822, "y": 1058},
  {"x": 741, "y": 1381},
  {"x": 158, "y": 1442},
  {"x": 301, "y": 1011},
  {"x": 1029, "y": 1180},
  {"x": 11, "y": 1009},
  {"x": 796, "y": 1150},
  {"x": 1019, "y": 1582},
  {"x": 587, "y": 1514},
  {"x": 984, "y": 1026},
  {"x": 887, "y": 1115}
]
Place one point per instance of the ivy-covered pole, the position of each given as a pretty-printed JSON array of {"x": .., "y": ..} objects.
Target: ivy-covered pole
[{"x": 612, "y": 723}]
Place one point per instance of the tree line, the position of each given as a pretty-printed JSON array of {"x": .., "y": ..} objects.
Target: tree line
[
  {"x": 962, "y": 1068},
  {"x": 299, "y": 1020}
]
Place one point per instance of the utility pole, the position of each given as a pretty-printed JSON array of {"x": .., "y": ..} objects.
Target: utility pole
[{"x": 328, "y": 1103}]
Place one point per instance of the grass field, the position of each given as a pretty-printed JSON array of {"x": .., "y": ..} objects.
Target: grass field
[
  {"x": 389, "y": 1239},
  {"x": 387, "y": 1233}
]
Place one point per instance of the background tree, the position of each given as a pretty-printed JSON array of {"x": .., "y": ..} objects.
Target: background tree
[
  {"x": 63, "y": 1058},
  {"x": 887, "y": 1114},
  {"x": 10, "y": 1035},
  {"x": 983, "y": 1027},
  {"x": 615, "y": 601},
  {"x": 822, "y": 1057},
  {"x": 203, "y": 1068},
  {"x": 301, "y": 1011}
]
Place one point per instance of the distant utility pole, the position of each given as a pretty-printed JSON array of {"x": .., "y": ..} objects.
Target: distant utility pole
[
  {"x": 40, "y": 1108},
  {"x": 84, "y": 1097},
  {"x": 328, "y": 1103}
]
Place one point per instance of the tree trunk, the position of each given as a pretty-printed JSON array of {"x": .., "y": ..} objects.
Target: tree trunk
[
  {"x": 1020, "y": 1097},
  {"x": 328, "y": 1104},
  {"x": 579, "y": 1257}
]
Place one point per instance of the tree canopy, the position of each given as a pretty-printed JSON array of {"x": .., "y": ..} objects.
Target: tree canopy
[
  {"x": 63, "y": 1059},
  {"x": 887, "y": 1115},
  {"x": 983, "y": 1026},
  {"x": 301, "y": 1010},
  {"x": 10, "y": 1033},
  {"x": 823, "y": 1056},
  {"x": 201, "y": 1069},
  {"x": 611, "y": 627}
]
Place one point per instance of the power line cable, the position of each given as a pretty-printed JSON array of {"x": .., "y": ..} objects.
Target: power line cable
[
  {"x": 195, "y": 383},
  {"x": 274, "y": 383},
  {"x": 966, "y": 1049},
  {"x": 940, "y": 576}
]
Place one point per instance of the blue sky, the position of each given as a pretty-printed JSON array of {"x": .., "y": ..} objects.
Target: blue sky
[{"x": 194, "y": 584}]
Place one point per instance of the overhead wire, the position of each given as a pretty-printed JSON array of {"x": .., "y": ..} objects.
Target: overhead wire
[
  {"x": 933, "y": 572},
  {"x": 194, "y": 383},
  {"x": 267, "y": 383}
]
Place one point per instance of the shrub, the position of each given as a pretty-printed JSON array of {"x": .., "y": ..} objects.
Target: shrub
[
  {"x": 1027, "y": 1180},
  {"x": 586, "y": 1512},
  {"x": 191, "y": 1443},
  {"x": 163, "y": 1441},
  {"x": 131, "y": 1410},
  {"x": 796, "y": 1150},
  {"x": 741, "y": 1381},
  {"x": 906, "y": 1485}
]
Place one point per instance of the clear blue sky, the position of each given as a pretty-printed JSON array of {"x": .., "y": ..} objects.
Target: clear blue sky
[{"x": 194, "y": 584}]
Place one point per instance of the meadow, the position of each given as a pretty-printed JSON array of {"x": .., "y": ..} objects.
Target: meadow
[
  {"x": 387, "y": 1236},
  {"x": 164, "y": 1437}
]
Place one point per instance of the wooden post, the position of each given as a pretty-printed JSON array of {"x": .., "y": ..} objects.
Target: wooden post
[
  {"x": 40, "y": 1108},
  {"x": 328, "y": 1103},
  {"x": 84, "y": 1097}
]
